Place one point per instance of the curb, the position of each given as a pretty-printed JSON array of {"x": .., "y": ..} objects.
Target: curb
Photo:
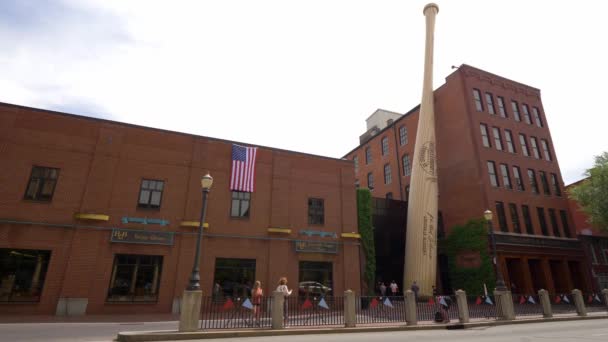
[{"x": 171, "y": 335}]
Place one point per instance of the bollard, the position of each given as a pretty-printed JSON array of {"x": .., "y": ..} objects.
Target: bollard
[
  {"x": 463, "y": 306},
  {"x": 410, "y": 308},
  {"x": 191, "y": 311},
  {"x": 504, "y": 305},
  {"x": 545, "y": 301},
  {"x": 605, "y": 295},
  {"x": 350, "y": 320},
  {"x": 278, "y": 300},
  {"x": 579, "y": 302}
]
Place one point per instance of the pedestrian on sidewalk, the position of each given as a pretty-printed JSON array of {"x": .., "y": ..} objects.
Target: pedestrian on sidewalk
[
  {"x": 256, "y": 299},
  {"x": 286, "y": 292},
  {"x": 394, "y": 288},
  {"x": 382, "y": 289},
  {"x": 415, "y": 289}
]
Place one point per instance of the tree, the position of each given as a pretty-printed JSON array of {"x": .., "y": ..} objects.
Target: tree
[
  {"x": 364, "y": 208},
  {"x": 592, "y": 193}
]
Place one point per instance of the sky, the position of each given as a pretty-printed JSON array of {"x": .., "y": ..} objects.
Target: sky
[{"x": 299, "y": 75}]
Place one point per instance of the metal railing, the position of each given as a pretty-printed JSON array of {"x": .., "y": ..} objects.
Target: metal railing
[
  {"x": 563, "y": 303},
  {"x": 527, "y": 305},
  {"x": 595, "y": 302},
  {"x": 436, "y": 308},
  {"x": 377, "y": 309},
  {"x": 314, "y": 311},
  {"x": 482, "y": 307},
  {"x": 235, "y": 312}
]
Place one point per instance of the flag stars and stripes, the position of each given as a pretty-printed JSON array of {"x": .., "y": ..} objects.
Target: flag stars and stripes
[{"x": 242, "y": 177}]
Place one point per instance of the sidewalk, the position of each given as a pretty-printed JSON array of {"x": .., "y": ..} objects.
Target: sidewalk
[{"x": 89, "y": 318}]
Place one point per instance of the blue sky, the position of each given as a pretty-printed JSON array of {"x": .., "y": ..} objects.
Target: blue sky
[{"x": 299, "y": 75}]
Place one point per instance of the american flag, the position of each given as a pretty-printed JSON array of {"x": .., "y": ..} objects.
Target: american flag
[{"x": 242, "y": 177}]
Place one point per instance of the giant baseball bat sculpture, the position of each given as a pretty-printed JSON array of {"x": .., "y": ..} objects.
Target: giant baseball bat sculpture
[{"x": 421, "y": 240}]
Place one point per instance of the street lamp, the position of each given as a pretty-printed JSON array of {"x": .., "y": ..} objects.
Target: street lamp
[
  {"x": 195, "y": 278},
  {"x": 500, "y": 283}
]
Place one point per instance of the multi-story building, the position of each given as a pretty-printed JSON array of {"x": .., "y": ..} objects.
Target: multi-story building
[
  {"x": 494, "y": 151},
  {"x": 99, "y": 217}
]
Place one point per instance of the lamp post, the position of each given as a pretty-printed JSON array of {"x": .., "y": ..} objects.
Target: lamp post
[
  {"x": 195, "y": 278},
  {"x": 500, "y": 283}
]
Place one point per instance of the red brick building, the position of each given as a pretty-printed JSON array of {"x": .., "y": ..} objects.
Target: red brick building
[
  {"x": 494, "y": 151},
  {"x": 100, "y": 217}
]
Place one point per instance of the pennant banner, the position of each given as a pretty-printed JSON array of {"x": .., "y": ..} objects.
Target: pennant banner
[
  {"x": 489, "y": 300},
  {"x": 531, "y": 300},
  {"x": 431, "y": 301},
  {"x": 522, "y": 300},
  {"x": 566, "y": 299},
  {"x": 558, "y": 299},
  {"x": 388, "y": 303},
  {"x": 247, "y": 304},
  {"x": 478, "y": 301},
  {"x": 228, "y": 305},
  {"x": 307, "y": 304},
  {"x": 323, "y": 304},
  {"x": 442, "y": 301},
  {"x": 374, "y": 303}
]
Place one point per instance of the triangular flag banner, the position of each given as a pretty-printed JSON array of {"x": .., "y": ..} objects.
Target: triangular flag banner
[
  {"x": 431, "y": 301},
  {"x": 558, "y": 299},
  {"x": 478, "y": 301},
  {"x": 566, "y": 299},
  {"x": 489, "y": 300},
  {"x": 442, "y": 301},
  {"x": 323, "y": 304},
  {"x": 374, "y": 303},
  {"x": 307, "y": 304},
  {"x": 247, "y": 304},
  {"x": 388, "y": 303},
  {"x": 228, "y": 305},
  {"x": 522, "y": 300},
  {"x": 598, "y": 299},
  {"x": 590, "y": 299},
  {"x": 531, "y": 300}
]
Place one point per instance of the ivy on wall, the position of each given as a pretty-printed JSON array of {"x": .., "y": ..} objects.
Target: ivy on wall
[
  {"x": 364, "y": 218},
  {"x": 470, "y": 237}
]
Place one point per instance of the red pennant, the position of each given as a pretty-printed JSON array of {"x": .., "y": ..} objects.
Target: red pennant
[
  {"x": 307, "y": 304},
  {"x": 431, "y": 301},
  {"x": 558, "y": 299},
  {"x": 478, "y": 301},
  {"x": 522, "y": 300},
  {"x": 590, "y": 299},
  {"x": 229, "y": 304},
  {"x": 374, "y": 303}
]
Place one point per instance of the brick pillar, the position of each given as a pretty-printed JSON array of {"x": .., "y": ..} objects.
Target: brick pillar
[
  {"x": 579, "y": 302},
  {"x": 568, "y": 277},
  {"x": 411, "y": 317},
  {"x": 528, "y": 285},
  {"x": 547, "y": 275},
  {"x": 463, "y": 306},
  {"x": 350, "y": 316},
  {"x": 545, "y": 301},
  {"x": 504, "y": 305},
  {"x": 278, "y": 298}
]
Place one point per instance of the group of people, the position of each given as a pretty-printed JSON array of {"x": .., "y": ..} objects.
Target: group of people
[{"x": 381, "y": 287}]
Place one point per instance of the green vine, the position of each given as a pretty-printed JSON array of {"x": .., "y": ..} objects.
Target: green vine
[
  {"x": 470, "y": 237},
  {"x": 364, "y": 215}
]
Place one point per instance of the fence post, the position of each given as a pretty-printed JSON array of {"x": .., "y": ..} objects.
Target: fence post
[
  {"x": 350, "y": 320},
  {"x": 605, "y": 295},
  {"x": 545, "y": 301},
  {"x": 579, "y": 302},
  {"x": 504, "y": 305},
  {"x": 278, "y": 298},
  {"x": 463, "y": 306},
  {"x": 410, "y": 308}
]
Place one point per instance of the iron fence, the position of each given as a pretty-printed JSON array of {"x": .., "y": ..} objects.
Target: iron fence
[
  {"x": 563, "y": 304},
  {"x": 375, "y": 309},
  {"x": 595, "y": 302},
  {"x": 235, "y": 312},
  {"x": 527, "y": 305},
  {"x": 314, "y": 311},
  {"x": 482, "y": 307},
  {"x": 435, "y": 308}
]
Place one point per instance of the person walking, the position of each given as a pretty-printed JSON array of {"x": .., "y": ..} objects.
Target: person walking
[
  {"x": 382, "y": 289},
  {"x": 256, "y": 298},
  {"x": 286, "y": 292},
  {"x": 394, "y": 288},
  {"x": 415, "y": 288}
]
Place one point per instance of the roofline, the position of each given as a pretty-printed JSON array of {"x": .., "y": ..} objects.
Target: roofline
[
  {"x": 48, "y": 111},
  {"x": 577, "y": 182},
  {"x": 498, "y": 76},
  {"x": 384, "y": 110}
]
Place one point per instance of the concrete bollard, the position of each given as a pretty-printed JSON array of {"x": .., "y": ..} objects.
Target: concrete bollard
[
  {"x": 545, "y": 301},
  {"x": 504, "y": 305},
  {"x": 350, "y": 316},
  {"x": 605, "y": 295},
  {"x": 411, "y": 317},
  {"x": 278, "y": 300},
  {"x": 463, "y": 306},
  {"x": 579, "y": 302},
  {"x": 191, "y": 310}
]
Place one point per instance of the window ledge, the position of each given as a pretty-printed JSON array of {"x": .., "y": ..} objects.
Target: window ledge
[
  {"x": 194, "y": 224},
  {"x": 279, "y": 230}
]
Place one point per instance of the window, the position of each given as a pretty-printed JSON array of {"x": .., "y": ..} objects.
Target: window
[
  {"x": 490, "y": 102},
  {"x": 492, "y": 173},
  {"x": 389, "y": 195},
  {"x": 524, "y": 108},
  {"x": 515, "y": 218},
  {"x": 368, "y": 155},
  {"x": 402, "y": 135},
  {"x": 22, "y": 274},
  {"x": 370, "y": 181},
  {"x": 135, "y": 278},
  {"x": 533, "y": 183},
  {"x": 509, "y": 140},
  {"x": 525, "y": 210},
  {"x": 556, "y": 189},
  {"x": 506, "y": 179},
  {"x": 407, "y": 166},
  {"x": 564, "y": 217},
  {"x": 534, "y": 147},
  {"x": 387, "y": 174},
  {"x": 241, "y": 202},
  {"x": 518, "y": 182},
  {"x": 316, "y": 211},
  {"x": 501, "y": 107},
  {"x": 485, "y": 140},
  {"x": 541, "y": 219},
  {"x": 536, "y": 115},
  {"x": 477, "y": 98},
  {"x": 235, "y": 277},
  {"x": 544, "y": 182},
  {"x": 515, "y": 108},
  {"x": 356, "y": 162},
  {"x": 150, "y": 193},
  {"x": 384, "y": 146},
  {"x": 502, "y": 219},
  {"x": 316, "y": 277},
  {"x": 554, "y": 225},
  {"x": 545, "y": 146},
  {"x": 42, "y": 184},
  {"x": 524, "y": 145},
  {"x": 497, "y": 138}
]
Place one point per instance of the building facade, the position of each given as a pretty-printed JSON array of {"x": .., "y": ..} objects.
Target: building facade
[
  {"x": 100, "y": 217},
  {"x": 494, "y": 151}
]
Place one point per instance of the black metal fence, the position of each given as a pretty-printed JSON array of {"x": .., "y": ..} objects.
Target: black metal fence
[
  {"x": 481, "y": 307},
  {"x": 235, "y": 312},
  {"x": 437, "y": 309},
  {"x": 595, "y": 302},
  {"x": 527, "y": 305},
  {"x": 563, "y": 304},
  {"x": 377, "y": 309},
  {"x": 314, "y": 311}
]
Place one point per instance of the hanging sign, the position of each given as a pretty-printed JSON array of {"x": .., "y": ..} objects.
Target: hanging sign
[{"x": 141, "y": 236}]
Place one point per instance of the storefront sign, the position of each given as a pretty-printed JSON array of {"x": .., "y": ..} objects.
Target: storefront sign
[
  {"x": 144, "y": 220},
  {"x": 320, "y": 233},
  {"x": 536, "y": 241},
  {"x": 316, "y": 247},
  {"x": 141, "y": 236}
]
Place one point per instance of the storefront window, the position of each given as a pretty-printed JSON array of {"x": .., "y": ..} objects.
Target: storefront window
[
  {"x": 316, "y": 278},
  {"x": 135, "y": 278},
  {"x": 22, "y": 274},
  {"x": 235, "y": 277}
]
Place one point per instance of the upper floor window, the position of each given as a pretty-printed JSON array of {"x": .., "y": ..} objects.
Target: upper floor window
[
  {"x": 150, "y": 193},
  {"x": 407, "y": 167},
  {"x": 41, "y": 185},
  {"x": 555, "y": 185},
  {"x": 502, "y": 218},
  {"x": 515, "y": 108},
  {"x": 502, "y": 111},
  {"x": 316, "y": 211},
  {"x": 506, "y": 179},
  {"x": 384, "y": 143},
  {"x": 490, "y": 102},
  {"x": 533, "y": 183},
  {"x": 525, "y": 210},
  {"x": 492, "y": 174},
  {"x": 534, "y": 145},
  {"x": 524, "y": 108},
  {"x": 402, "y": 135},
  {"x": 545, "y": 145},
  {"x": 368, "y": 155},
  {"x": 544, "y": 182},
  {"x": 542, "y": 221},
  {"x": 515, "y": 218},
  {"x": 536, "y": 115},
  {"x": 485, "y": 139},
  {"x": 564, "y": 216},
  {"x": 509, "y": 140},
  {"x": 370, "y": 181},
  {"x": 356, "y": 161},
  {"x": 477, "y": 98},
  {"x": 497, "y": 138},
  {"x": 241, "y": 202},
  {"x": 517, "y": 175},
  {"x": 554, "y": 225},
  {"x": 387, "y": 174},
  {"x": 524, "y": 145}
]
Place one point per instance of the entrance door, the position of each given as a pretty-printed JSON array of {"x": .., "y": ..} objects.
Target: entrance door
[
  {"x": 316, "y": 278},
  {"x": 537, "y": 274}
]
